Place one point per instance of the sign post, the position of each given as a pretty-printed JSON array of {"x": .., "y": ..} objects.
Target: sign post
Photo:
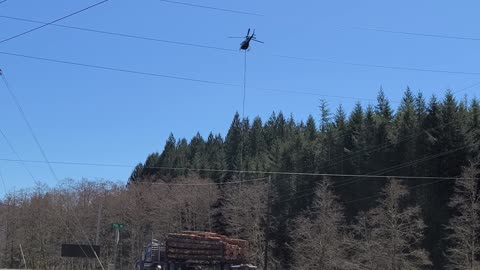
[{"x": 117, "y": 227}]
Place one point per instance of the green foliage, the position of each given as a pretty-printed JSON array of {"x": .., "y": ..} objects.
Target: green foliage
[{"x": 418, "y": 138}]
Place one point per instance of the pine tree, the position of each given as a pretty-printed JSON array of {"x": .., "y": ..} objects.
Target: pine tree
[
  {"x": 383, "y": 132},
  {"x": 196, "y": 152},
  {"x": 324, "y": 116},
  {"x": 354, "y": 140},
  {"x": 406, "y": 129},
  {"x": 311, "y": 129},
  {"x": 215, "y": 156},
  {"x": 473, "y": 128},
  {"x": 233, "y": 146}
]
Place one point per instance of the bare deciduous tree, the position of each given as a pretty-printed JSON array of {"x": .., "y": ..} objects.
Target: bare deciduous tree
[
  {"x": 464, "y": 227},
  {"x": 245, "y": 211},
  {"x": 389, "y": 236},
  {"x": 319, "y": 235}
]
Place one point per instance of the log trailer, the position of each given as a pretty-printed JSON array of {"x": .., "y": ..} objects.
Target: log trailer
[{"x": 195, "y": 251}]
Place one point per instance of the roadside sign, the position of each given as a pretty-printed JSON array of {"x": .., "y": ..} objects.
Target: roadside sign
[{"x": 118, "y": 225}]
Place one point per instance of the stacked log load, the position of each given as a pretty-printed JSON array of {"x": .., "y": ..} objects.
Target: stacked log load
[{"x": 205, "y": 247}]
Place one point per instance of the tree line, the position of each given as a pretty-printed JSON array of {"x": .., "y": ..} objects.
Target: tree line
[
  {"x": 432, "y": 136},
  {"x": 349, "y": 222}
]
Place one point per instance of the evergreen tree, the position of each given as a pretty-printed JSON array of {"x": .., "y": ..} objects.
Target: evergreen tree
[
  {"x": 383, "y": 132},
  {"x": 473, "y": 129},
  {"x": 196, "y": 152},
  {"x": 310, "y": 129},
  {"x": 233, "y": 146},
  {"x": 406, "y": 127},
  {"x": 324, "y": 116}
]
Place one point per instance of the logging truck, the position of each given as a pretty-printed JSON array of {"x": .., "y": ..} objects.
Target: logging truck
[{"x": 195, "y": 251}]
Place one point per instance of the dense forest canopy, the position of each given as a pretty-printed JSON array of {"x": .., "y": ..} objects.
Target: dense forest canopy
[{"x": 274, "y": 168}]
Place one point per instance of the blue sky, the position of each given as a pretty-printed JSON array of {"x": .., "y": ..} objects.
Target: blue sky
[{"x": 88, "y": 115}]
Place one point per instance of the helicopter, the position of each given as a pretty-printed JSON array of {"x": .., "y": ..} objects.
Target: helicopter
[{"x": 246, "y": 43}]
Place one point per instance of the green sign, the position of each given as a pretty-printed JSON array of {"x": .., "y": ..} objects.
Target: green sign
[{"x": 118, "y": 225}]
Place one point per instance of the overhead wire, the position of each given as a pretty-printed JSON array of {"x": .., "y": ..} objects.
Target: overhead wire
[
  {"x": 32, "y": 133},
  {"x": 20, "y": 160},
  {"x": 370, "y": 29},
  {"x": 226, "y": 170},
  {"x": 202, "y": 184},
  {"x": 170, "y": 76},
  {"x": 310, "y": 59},
  {"x": 27, "y": 122},
  {"x": 414, "y": 33},
  {"x": 383, "y": 146},
  {"x": 124, "y": 35},
  {"x": 211, "y": 8},
  {"x": 393, "y": 168},
  {"x": 121, "y": 70},
  {"x": 407, "y": 164},
  {"x": 378, "y": 65},
  {"x": 410, "y": 188},
  {"x": 52, "y": 22},
  {"x": 466, "y": 88},
  {"x": 3, "y": 182},
  {"x": 177, "y": 77}
]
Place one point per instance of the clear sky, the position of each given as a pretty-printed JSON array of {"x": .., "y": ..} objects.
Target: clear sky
[{"x": 83, "y": 114}]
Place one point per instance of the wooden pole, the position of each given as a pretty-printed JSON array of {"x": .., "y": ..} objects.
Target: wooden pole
[
  {"x": 23, "y": 257},
  {"x": 267, "y": 225}
]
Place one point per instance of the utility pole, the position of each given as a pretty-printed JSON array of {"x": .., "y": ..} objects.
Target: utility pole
[
  {"x": 267, "y": 225},
  {"x": 99, "y": 217},
  {"x": 23, "y": 257},
  {"x": 117, "y": 227},
  {"x": 117, "y": 239}
]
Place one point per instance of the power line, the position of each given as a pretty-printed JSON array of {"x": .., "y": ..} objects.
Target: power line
[
  {"x": 3, "y": 180},
  {"x": 383, "y": 146},
  {"x": 52, "y": 22},
  {"x": 202, "y": 184},
  {"x": 468, "y": 87},
  {"x": 124, "y": 35},
  {"x": 396, "y": 167},
  {"x": 371, "y": 29},
  {"x": 415, "y": 33},
  {"x": 413, "y": 187},
  {"x": 1, "y": 2},
  {"x": 210, "y": 7},
  {"x": 231, "y": 171},
  {"x": 406, "y": 164},
  {"x": 280, "y": 90},
  {"x": 20, "y": 160},
  {"x": 121, "y": 70},
  {"x": 170, "y": 76},
  {"x": 377, "y": 65},
  {"x": 19, "y": 107},
  {"x": 309, "y": 59},
  {"x": 25, "y": 119}
]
